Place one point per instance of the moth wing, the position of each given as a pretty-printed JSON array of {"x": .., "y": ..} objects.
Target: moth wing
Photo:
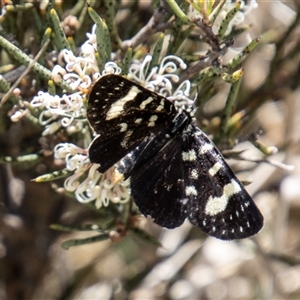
[
  {"x": 218, "y": 203},
  {"x": 157, "y": 187},
  {"x": 123, "y": 114}
]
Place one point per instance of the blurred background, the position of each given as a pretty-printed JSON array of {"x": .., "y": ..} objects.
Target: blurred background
[{"x": 189, "y": 265}]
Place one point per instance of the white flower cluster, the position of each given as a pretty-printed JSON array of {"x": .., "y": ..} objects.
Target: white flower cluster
[
  {"x": 96, "y": 186},
  {"x": 60, "y": 111},
  {"x": 160, "y": 79}
]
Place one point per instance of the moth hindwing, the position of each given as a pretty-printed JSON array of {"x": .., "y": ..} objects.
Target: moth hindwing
[{"x": 175, "y": 170}]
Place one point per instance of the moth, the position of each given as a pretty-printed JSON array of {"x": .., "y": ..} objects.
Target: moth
[{"x": 175, "y": 170}]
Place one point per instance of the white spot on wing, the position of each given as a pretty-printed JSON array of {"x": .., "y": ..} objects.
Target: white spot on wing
[
  {"x": 216, "y": 205},
  {"x": 184, "y": 201},
  {"x": 215, "y": 168},
  {"x": 124, "y": 144},
  {"x": 168, "y": 187},
  {"x": 125, "y": 140},
  {"x": 145, "y": 102},
  {"x": 123, "y": 126},
  {"x": 189, "y": 156},
  {"x": 152, "y": 120},
  {"x": 118, "y": 107},
  {"x": 191, "y": 190},
  {"x": 206, "y": 148},
  {"x": 194, "y": 174},
  {"x": 161, "y": 106}
]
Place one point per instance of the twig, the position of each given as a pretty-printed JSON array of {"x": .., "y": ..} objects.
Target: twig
[{"x": 26, "y": 71}]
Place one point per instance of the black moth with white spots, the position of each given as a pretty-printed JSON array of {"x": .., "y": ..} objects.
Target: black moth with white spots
[{"x": 175, "y": 171}]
